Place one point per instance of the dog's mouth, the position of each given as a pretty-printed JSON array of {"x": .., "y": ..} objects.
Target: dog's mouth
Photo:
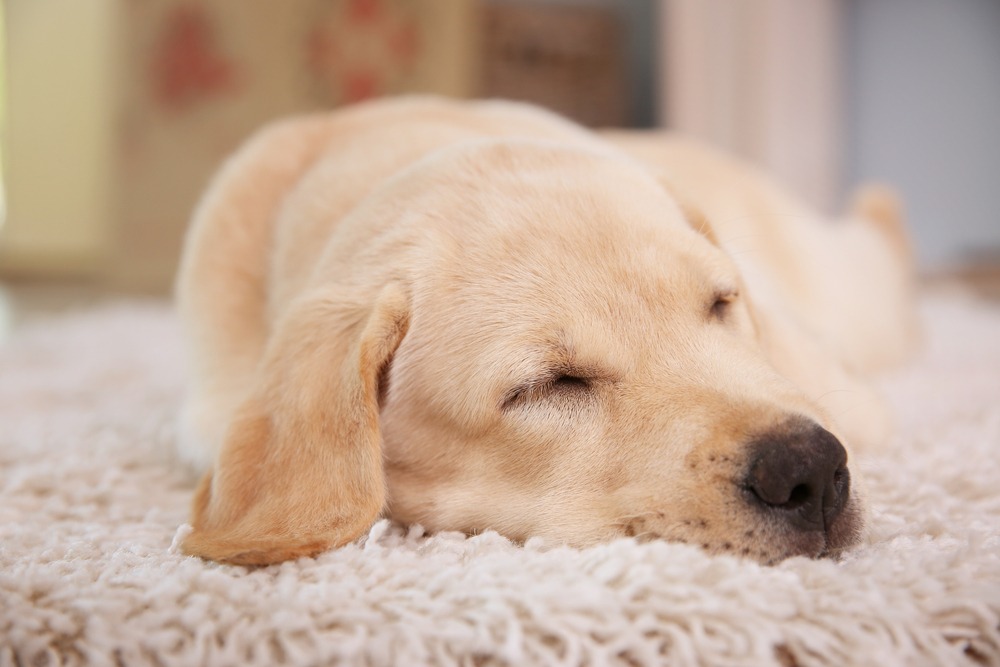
[
  {"x": 814, "y": 523},
  {"x": 766, "y": 550},
  {"x": 753, "y": 534},
  {"x": 795, "y": 489},
  {"x": 843, "y": 532}
]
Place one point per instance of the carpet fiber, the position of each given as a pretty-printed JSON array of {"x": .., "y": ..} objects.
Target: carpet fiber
[{"x": 92, "y": 507}]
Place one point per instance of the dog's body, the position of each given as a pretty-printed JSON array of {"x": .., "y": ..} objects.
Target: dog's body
[{"x": 479, "y": 315}]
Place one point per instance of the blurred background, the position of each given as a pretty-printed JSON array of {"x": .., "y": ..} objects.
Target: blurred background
[{"x": 116, "y": 112}]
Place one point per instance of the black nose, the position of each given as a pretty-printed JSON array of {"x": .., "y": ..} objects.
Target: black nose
[{"x": 799, "y": 474}]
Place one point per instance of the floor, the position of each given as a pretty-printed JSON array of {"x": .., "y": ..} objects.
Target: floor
[{"x": 24, "y": 302}]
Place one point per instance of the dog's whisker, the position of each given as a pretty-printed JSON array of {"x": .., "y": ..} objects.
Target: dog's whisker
[
  {"x": 833, "y": 391},
  {"x": 646, "y": 536},
  {"x": 632, "y": 517},
  {"x": 771, "y": 215}
]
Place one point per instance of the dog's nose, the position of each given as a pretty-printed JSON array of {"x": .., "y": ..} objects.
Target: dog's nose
[{"x": 799, "y": 474}]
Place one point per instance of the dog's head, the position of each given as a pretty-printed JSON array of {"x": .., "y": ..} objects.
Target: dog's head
[{"x": 538, "y": 340}]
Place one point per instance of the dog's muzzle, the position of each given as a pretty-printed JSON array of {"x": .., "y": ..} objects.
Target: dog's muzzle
[{"x": 798, "y": 476}]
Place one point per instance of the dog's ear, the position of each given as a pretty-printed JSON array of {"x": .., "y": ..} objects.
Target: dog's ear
[{"x": 300, "y": 470}]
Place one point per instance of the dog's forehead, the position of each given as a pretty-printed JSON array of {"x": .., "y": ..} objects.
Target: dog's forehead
[
  {"x": 573, "y": 218},
  {"x": 583, "y": 258},
  {"x": 562, "y": 282},
  {"x": 589, "y": 248}
]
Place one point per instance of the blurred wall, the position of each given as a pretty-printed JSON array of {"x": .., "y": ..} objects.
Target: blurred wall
[
  {"x": 119, "y": 111},
  {"x": 199, "y": 77},
  {"x": 638, "y": 24},
  {"x": 761, "y": 79},
  {"x": 58, "y": 135},
  {"x": 923, "y": 113}
]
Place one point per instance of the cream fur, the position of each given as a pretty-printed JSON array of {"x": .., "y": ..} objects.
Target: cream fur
[{"x": 379, "y": 303}]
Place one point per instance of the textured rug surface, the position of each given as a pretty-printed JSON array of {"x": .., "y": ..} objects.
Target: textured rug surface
[{"x": 92, "y": 506}]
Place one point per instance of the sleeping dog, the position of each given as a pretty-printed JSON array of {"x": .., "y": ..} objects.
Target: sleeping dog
[{"x": 478, "y": 315}]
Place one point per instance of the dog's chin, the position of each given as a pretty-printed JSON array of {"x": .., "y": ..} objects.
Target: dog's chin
[
  {"x": 763, "y": 539},
  {"x": 774, "y": 543}
]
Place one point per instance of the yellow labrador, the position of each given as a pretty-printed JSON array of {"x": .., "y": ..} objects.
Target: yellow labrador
[{"x": 478, "y": 315}]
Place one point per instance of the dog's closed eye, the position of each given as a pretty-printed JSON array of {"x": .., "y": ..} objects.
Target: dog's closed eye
[
  {"x": 554, "y": 385},
  {"x": 721, "y": 303}
]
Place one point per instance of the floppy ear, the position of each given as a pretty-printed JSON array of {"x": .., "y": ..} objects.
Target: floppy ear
[{"x": 300, "y": 470}]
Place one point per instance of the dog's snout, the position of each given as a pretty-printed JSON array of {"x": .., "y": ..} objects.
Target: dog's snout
[{"x": 800, "y": 475}]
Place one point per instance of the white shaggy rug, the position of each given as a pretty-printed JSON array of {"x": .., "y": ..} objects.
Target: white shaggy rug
[{"x": 91, "y": 508}]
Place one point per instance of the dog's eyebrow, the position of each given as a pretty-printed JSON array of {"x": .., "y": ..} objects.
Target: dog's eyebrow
[{"x": 725, "y": 293}]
